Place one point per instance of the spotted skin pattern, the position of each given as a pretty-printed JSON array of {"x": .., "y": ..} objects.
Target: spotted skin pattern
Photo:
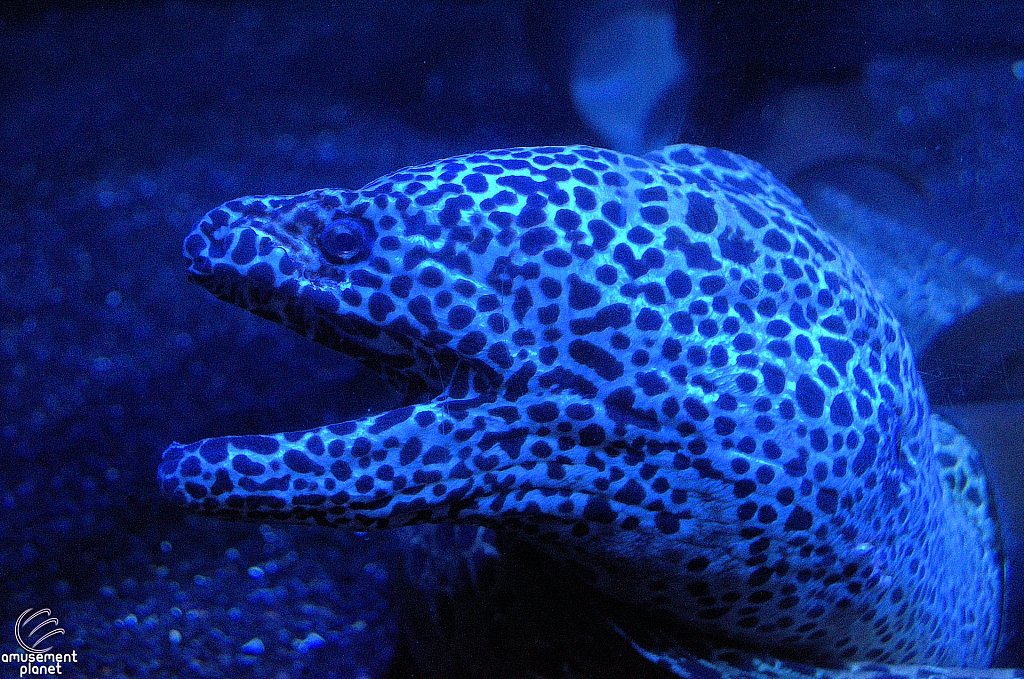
[{"x": 658, "y": 370}]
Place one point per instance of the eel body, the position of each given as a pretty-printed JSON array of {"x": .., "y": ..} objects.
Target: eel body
[{"x": 657, "y": 370}]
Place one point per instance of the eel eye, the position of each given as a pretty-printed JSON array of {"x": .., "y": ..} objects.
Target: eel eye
[{"x": 346, "y": 240}]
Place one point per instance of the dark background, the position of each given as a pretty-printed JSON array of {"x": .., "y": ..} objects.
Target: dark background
[{"x": 121, "y": 124}]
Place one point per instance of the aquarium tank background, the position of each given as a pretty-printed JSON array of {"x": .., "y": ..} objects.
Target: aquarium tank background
[{"x": 899, "y": 124}]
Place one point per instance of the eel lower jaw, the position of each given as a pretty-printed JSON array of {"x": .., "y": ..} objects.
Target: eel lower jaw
[{"x": 229, "y": 478}]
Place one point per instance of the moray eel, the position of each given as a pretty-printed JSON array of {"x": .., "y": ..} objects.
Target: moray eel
[{"x": 657, "y": 370}]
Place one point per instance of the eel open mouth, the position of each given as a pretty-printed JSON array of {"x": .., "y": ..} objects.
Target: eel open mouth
[{"x": 284, "y": 259}]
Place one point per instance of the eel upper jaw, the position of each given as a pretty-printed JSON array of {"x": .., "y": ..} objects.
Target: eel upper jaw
[{"x": 294, "y": 285}]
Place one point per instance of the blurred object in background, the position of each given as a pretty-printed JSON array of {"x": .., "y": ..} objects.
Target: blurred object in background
[{"x": 627, "y": 65}]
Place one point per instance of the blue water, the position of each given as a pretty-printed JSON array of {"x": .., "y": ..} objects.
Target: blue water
[{"x": 121, "y": 125}]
